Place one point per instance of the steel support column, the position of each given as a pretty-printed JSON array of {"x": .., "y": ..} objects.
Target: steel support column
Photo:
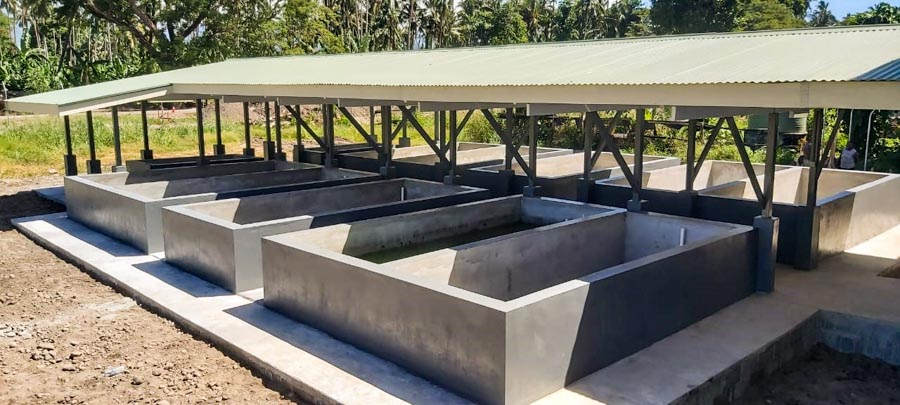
[
  {"x": 93, "y": 165},
  {"x": 691, "y": 152},
  {"x": 532, "y": 189},
  {"x": 587, "y": 131},
  {"x": 146, "y": 153},
  {"x": 201, "y": 141},
  {"x": 815, "y": 136},
  {"x": 248, "y": 148},
  {"x": 279, "y": 153},
  {"x": 387, "y": 171},
  {"x": 328, "y": 133},
  {"x": 117, "y": 140},
  {"x": 219, "y": 147},
  {"x": 70, "y": 162},
  {"x": 451, "y": 177},
  {"x": 510, "y": 127},
  {"x": 765, "y": 224},
  {"x": 268, "y": 145},
  {"x": 298, "y": 147},
  {"x": 635, "y": 203}
]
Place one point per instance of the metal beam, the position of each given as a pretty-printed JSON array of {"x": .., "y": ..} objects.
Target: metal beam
[
  {"x": 745, "y": 159},
  {"x": 607, "y": 137},
  {"x": 829, "y": 147},
  {"x": 454, "y": 134},
  {"x": 507, "y": 140},
  {"x": 602, "y": 142},
  {"x": 301, "y": 123},
  {"x": 709, "y": 143},
  {"x": 328, "y": 130},
  {"x": 532, "y": 154},
  {"x": 418, "y": 127},
  {"x": 359, "y": 128},
  {"x": 386, "y": 143},
  {"x": 71, "y": 165},
  {"x": 268, "y": 147},
  {"x": 93, "y": 165},
  {"x": 636, "y": 204},
  {"x": 279, "y": 154}
]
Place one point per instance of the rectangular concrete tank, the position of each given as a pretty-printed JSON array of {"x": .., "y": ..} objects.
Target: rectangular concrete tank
[
  {"x": 368, "y": 160},
  {"x": 220, "y": 240},
  {"x": 558, "y": 176},
  {"x": 128, "y": 208},
  {"x": 558, "y": 290}
]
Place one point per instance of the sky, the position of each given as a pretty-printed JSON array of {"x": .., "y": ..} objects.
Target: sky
[{"x": 840, "y": 8}]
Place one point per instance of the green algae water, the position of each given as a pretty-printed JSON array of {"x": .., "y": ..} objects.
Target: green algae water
[{"x": 389, "y": 255}]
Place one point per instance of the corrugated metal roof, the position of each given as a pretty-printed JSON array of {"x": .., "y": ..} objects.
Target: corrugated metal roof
[{"x": 835, "y": 55}]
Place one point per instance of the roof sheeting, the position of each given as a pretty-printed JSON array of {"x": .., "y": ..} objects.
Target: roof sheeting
[{"x": 840, "y": 55}]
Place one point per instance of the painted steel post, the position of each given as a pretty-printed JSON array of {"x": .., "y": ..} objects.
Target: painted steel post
[
  {"x": 201, "y": 142},
  {"x": 146, "y": 153},
  {"x": 635, "y": 203},
  {"x": 279, "y": 153},
  {"x": 219, "y": 147},
  {"x": 587, "y": 131},
  {"x": 248, "y": 149},
  {"x": 71, "y": 164},
  {"x": 404, "y": 141},
  {"x": 765, "y": 224},
  {"x": 387, "y": 171},
  {"x": 268, "y": 145},
  {"x": 510, "y": 126},
  {"x": 691, "y": 155},
  {"x": 812, "y": 186},
  {"x": 93, "y": 165},
  {"x": 117, "y": 140},
  {"x": 532, "y": 189},
  {"x": 298, "y": 147},
  {"x": 328, "y": 129},
  {"x": 807, "y": 255},
  {"x": 451, "y": 177}
]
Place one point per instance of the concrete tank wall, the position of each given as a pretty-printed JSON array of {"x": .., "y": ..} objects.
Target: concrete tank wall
[
  {"x": 514, "y": 351},
  {"x": 220, "y": 240},
  {"x": 148, "y": 165},
  {"x": 558, "y": 176},
  {"x": 368, "y": 160},
  {"x": 129, "y": 210}
]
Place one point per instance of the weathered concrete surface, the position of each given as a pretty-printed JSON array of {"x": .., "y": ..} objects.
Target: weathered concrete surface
[
  {"x": 129, "y": 208},
  {"x": 319, "y": 368},
  {"x": 557, "y": 176},
  {"x": 513, "y": 351},
  {"x": 220, "y": 240},
  {"x": 143, "y": 166},
  {"x": 718, "y": 357}
]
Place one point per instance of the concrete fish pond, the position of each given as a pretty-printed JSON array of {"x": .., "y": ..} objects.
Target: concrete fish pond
[
  {"x": 220, "y": 240},
  {"x": 368, "y": 160},
  {"x": 128, "y": 207},
  {"x": 507, "y": 300},
  {"x": 557, "y": 175}
]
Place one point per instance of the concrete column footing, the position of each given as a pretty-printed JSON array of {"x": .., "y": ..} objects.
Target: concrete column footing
[
  {"x": 219, "y": 149},
  {"x": 71, "y": 165},
  {"x": 449, "y": 180},
  {"x": 767, "y": 231},
  {"x": 298, "y": 153},
  {"x": 249, "y": 152},
  {"x": 269, "y": 150},
  {"x": 404, "y": 143},
  {"x": 93, "y": 166},
  {"x": 531, "y": 191},
  {"x": 636, "y": 206},
  {"x": 389, "y": 172},
  {"x": 146, "y": 154},
  {"x": 117, "y": 169}
]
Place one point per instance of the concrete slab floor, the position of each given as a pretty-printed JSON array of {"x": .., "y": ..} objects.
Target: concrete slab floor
[
  {"x": 666, "y": 371},
  {"x": 323, "y": 369},
  {"x": 318, "y": 368}
]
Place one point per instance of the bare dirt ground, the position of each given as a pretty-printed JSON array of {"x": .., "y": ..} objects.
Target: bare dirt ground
[
  {"x": 825, "y": 376},
  {"x": 66, "y": 338}
]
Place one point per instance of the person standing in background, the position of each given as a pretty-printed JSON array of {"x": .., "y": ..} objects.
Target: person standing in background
[{"x": 848, "y": 157}]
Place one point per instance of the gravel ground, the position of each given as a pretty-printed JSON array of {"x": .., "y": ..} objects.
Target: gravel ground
[
  {"x": 66, "y": 338},
  {"x": 825, "y": 376}
]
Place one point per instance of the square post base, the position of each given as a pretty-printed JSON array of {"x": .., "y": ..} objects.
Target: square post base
[
  {"x": 249, "y": 152},
  {"x": 684, "y": 204},
  {"x": 584, "y": 190},
  {"x": 451, "y": 180},
  {"x": 219, "y": 149},
  {"x": 635, "y": 205},
  {"x": 71, "y": 165},
  {"x": 298, "y": 153},
  {"x": 93, "y": 166},
  {"x": 403, "y": 143},
  {"x": 146, "y": 154},
  {"x": 767, "y": 250},
  {"x": 506, "y": 181},
  {"x": 531, "y": 191},
  {"x": 118, "y": 169},
  {"x": 280, "y": 156},
  {"x": 389, "y": 172},
  {"x": 268, "y": 150}
]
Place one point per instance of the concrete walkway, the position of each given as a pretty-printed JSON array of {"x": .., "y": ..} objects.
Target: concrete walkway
[{"x": 322, "y": 369}]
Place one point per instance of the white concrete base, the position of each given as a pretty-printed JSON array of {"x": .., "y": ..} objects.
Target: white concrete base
[
  {"x": 55, "y": 194},
  {"x": 317, "y": 367}
]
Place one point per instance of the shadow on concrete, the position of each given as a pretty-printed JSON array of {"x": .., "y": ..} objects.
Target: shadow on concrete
[
  {"x": 363, "y": 365},
  {"x": 24, "y": 204},
  {"x": 186, "y": 282},
  {"x": 109, "y": 245}
]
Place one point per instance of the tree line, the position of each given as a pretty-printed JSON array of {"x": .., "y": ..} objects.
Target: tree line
[{"x": 51, "y": 44}]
